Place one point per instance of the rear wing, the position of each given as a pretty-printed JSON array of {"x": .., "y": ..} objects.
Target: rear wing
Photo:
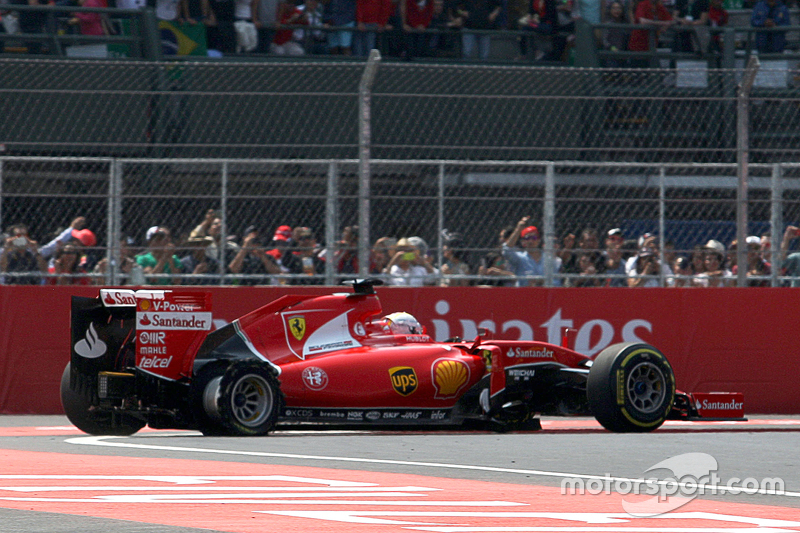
[{"x": 155, "y": 331}]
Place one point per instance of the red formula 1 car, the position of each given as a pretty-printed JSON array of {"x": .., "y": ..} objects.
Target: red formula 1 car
[{"x": 150, "y": 357}]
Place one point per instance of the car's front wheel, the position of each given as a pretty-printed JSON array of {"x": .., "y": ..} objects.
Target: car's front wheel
[{"x": 631, "y": 388}]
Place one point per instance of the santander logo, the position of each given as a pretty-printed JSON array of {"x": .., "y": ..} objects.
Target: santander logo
[{"x": 91, "y": 347}]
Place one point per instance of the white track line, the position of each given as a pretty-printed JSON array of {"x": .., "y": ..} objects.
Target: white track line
[{"x": 102, "y": 441}]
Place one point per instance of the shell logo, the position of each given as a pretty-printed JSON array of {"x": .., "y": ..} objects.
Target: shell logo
[
  {"x": 144, "y": 305},
  {"x": 449, "y": 377}
]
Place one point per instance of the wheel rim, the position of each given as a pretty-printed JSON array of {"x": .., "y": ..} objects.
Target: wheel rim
[
  {"x": 251, "y": 400},
  {"x": 647, "y": 387}
]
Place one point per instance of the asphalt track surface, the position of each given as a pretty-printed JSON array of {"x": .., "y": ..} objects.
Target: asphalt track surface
[{"x": 55, "y": 479}]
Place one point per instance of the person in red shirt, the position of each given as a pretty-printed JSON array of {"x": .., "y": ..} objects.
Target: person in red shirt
[
  {"x": 90, "y": 23},
  {"x": 416, "y": 16},
  {"x": 372, "y": 16},
  {"x": 649, "y": 12}
]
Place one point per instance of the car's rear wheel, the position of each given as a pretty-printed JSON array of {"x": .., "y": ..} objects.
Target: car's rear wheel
[
  {"x": 76, "y": 399},
  {"x": 244, "y": 400},
  {"x": 631, "y": 388}
]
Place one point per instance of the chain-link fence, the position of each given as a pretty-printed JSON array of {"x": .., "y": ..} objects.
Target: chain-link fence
[
  {"x": 457, "y": 208},
  {"x": 310, "y": 111},
  {"x": 686, "y": 155}
]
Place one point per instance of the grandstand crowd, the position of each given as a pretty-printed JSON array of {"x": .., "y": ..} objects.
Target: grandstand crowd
[
  {"x": 411, "y": 29},
  {"x": 292, "y": 255}
]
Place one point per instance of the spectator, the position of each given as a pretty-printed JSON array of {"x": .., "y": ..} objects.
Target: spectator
[
  {"x": 371, "y": 16},
  {"x": 528, "y": 261},
  {"x": 444, "y": 21},
  {"x": 698, "y": 259},
  {"x": 646, "y": 270},
  {"x": 543, "y": 21},
  {"x": 284, "y": 43},
  {"x": 616, "y": 39},
  {"x": 649, "y": 12},
  {"x": 346, "y": 255},
  {"x": 209, "y": 232},
  {"x": 280, "y": 246},
  {"x": 717, "y": 17},
  {"x": 90, "y": 23},
  {"x": 791, "y": 262},
  {"x": 305, "y": 259},
  {"x": 63, "y": 237},
  {"x": 770, "y": 14},
  {"x": 314, "y": 40},
  {"x": 715, "y": 274},
  {"x": 495, "y": 268},
  {"x": 416, "y": 16},
  {"x": 588, "y": 242},
  {"x": 167, "y": 10},
  {"x": 197, "y": 12},
  {"x": 125, "y": 263},
  {"x": 265, "y": 17},
  {"x": 21, "y": 256},
  {"x": 222, "y": 34},
  {"x": 340, "y": 13},
  {"x": 253, "y": 260},
  {"x": 682, "y": 267},
  {"x": 160, "y": 258},
  {"x": 383, "y": 249},
  {"x": 587, "y": 272},
  {"x": 410, "y": 266},
  {"x": 199, "y": 264},
  {"x": 613, "y": 259},
  {"x": 32, "y": 22},
  {"x": 69, "y": 268},
  {"x": 454, "y": 264},
  {"x": 757, "y": 266},
  {"x": 478, "y": 15}
]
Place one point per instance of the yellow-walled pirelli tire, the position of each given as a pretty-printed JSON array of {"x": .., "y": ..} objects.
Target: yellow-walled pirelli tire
[{"x": 631, "y": 388}]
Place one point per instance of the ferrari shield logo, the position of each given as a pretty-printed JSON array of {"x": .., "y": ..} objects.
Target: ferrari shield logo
[{"x": 297, "y": 325}]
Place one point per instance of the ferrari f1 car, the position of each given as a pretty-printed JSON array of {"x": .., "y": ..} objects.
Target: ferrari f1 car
[{"x": 151, "y": 357}]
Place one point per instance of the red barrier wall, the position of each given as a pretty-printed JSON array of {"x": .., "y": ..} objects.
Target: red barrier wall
[{"x": 740, "y": 340}]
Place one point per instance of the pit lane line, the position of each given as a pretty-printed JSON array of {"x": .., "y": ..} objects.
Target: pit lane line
[{"x": 717, "y": 489}]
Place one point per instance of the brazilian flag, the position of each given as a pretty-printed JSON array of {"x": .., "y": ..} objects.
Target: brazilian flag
[{"x": 182, "y": 39}]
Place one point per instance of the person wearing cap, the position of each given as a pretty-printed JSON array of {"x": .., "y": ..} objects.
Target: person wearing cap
[
  {"x": 757, "y": 266},
  {"x": 715, "y": 275},
  {"x": 409, "y": 266},
  {"x": 160, "y": 258},
  {"x": 74, "y": 230},
  {"x": 528, "y": 260}
]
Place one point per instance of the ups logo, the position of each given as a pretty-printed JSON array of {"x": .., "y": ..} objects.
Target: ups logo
[{"x": 404, "y": 380}]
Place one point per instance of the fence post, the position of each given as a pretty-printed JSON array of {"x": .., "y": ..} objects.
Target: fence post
[
  {"x": 549, "y": 222},
  {"x": 776, "y": 223},
  {"x": 364, "y": 140},
  {"x": 223, "y": 207},
  {"x": 661, "y": 225},
  {"x": 331, "y": 223},
  {"x": 440, "y": 218},
  {"x": 742, "y": 157},
  {"x": 114, "y": 229}
]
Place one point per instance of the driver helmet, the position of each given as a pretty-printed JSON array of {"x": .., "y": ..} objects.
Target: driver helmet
[{"x": 403, "y": 323}]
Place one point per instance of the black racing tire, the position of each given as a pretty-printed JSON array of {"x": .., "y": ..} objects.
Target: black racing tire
[
  {"x": 249, "y": 399},
  {"x": 204, "y": 392},
  {"x": 631, "y": 388},
  {"x": 76, "y": 399}
]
